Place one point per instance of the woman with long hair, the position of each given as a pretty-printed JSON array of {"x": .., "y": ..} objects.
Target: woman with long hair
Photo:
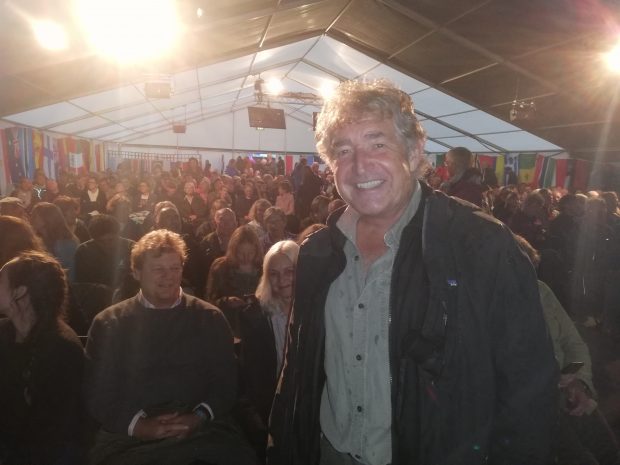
[
  {"x": 17, "y": 236},
  {"x": 41, "y": 361},
  {"x": 50, "y": 225},
  {"x": 262, "y": 326},
  {"x": 234, "y": 277}
]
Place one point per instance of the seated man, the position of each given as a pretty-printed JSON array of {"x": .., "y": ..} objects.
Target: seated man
[{"x": 161, "y": 372}]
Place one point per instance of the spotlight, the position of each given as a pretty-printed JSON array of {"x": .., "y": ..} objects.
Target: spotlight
[
  {"x": 50, "y": 35},
  {"x": 522, "y": 111},
  {"x": 199, "y": 12},
  {"x": 612, "y": 58}
]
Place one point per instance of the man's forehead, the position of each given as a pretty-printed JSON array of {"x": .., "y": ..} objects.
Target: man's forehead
[
  {"x": 157, "y": 256},
  {"x": 373, "y": 127}
]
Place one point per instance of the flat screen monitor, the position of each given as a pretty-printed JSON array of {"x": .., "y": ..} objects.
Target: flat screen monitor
[{"x": 266, "y": 118}]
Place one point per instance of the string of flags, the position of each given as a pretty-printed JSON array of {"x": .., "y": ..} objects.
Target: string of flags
[{"x": 25, "y": 150}]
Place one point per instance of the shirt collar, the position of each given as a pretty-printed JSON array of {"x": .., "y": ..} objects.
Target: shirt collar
[{"x": 146, "y": 304}]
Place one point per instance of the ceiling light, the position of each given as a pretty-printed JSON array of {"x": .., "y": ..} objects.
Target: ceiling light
[
  {"x": 199, "y": 12},
  {"x": 130, "y": 30},
  {"x": 327, "y": 89},
  {"x": 274, "y": 86},
  {"x": 50, "y": 35},
  {"x": 612, "y": 58}
]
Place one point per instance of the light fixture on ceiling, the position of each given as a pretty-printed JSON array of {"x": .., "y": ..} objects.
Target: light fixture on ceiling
[
  {"x": 179, "y": 127},
  {"x": 199, "y": 12},
  {"x": 273, "y": 91},
  {"x": 50, "y": 35},
  {"x": 258, "y": 89},
  {"x": 612, "y": 59},
  {"x": 327, "y": 89},
  {"x": 522, "y": 110},
  {"x": 274, "y": 86},
  {"x": 129, "y": 30}
]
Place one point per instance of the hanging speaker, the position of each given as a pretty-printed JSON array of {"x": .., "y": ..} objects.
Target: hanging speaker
[{"x": 178, "y": 128}]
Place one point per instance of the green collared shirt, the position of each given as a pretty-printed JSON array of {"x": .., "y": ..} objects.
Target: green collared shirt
[{"x": 356, "y": 413}]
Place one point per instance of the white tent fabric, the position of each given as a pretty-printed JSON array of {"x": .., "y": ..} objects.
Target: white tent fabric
[{"x": 212, "y": 102}]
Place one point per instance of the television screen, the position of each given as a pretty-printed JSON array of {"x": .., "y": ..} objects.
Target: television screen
[{"x": 261, "y": 117}]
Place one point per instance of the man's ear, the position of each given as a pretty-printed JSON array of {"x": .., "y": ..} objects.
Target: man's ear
[
  {"x": 416, "y": 156},
  {"x": 136, "y": 274}
]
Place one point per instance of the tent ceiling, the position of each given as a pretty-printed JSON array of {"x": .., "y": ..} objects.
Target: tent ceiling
[{"x": 466, "y": 56}]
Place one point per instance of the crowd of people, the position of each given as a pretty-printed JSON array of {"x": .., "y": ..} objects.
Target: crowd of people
[{"x": 184, "y": 289}]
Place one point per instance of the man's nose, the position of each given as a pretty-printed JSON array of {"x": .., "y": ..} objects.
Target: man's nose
[{"x": 360, "y": 160}]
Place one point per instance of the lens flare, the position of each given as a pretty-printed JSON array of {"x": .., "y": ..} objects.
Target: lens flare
[
  {"x": 130, "y": 30},
  {"x": 612, "y": 58},
  {"x": 50, "y": 35}
]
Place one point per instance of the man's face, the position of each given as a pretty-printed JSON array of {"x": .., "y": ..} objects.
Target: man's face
[
  {"x": 371, "y": 169},
  {"x": 92, "y": 185},
  {"x": 225, "y": 224},
  {"x": 275, "y": 226},
  {"x": 169, "y": 219},
  {"x": 160, "y": 278}
]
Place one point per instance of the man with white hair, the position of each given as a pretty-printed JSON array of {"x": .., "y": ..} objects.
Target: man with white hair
[{"x": 417, "y": 335}]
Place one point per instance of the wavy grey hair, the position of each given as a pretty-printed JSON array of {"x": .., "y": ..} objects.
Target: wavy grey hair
[{"x": 354, "y": 101}]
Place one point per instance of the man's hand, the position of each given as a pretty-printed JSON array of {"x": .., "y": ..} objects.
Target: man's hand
[
  {"x": 160, "y": 427},
  {"x": 579, "y": 400},
  {"x": 190, "y": 421}
]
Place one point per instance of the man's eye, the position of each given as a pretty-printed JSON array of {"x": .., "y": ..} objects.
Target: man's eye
[
  {"x": 343, "y": 152},
  {"x": 379, "y": 145}
]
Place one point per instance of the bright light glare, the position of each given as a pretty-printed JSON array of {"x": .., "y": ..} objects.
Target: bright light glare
[
  {"x": 199, "y": 12},
  {"x": 327, "y": 89},
  {"x": 50, "y": 35},
  {"x": 130, "y": 30},
  {"x": 612, "y": 58},
  {"x": 274, "y": 86}
]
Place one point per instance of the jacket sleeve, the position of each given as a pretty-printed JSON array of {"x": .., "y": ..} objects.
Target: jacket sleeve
[
  {"x": 526, "y": 373},
  {"x": 568, "y": 340}
]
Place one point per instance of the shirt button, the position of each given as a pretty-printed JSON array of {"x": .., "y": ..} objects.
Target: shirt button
[
  {"x": 359, "y": 408},
  {"x": 358, "y": 357},
  {"x": 360, "y": 306}
]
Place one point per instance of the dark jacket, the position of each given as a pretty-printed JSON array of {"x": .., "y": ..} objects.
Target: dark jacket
[
  {"x": 87, "y": 206},
  {"x": 41, "y": 415},
  {"x": 467, "y": 188},
  {"x": 473, "y": 374},
  {"x": 259, "y": 360},
  {"x": 103, "y": 261}
]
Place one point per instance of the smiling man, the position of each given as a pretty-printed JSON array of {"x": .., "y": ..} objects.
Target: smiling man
[
  {"x": 416, "y": 335},
  {"x": 161, "y": 372}
]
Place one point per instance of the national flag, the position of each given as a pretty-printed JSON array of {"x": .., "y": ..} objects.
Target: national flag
[
  {"x": 499, "y": 168},
  {"x": 37, "y": 149},
  {"x": 289, "y": 164},
  {"x": 561, "y": 172},
  {"x": 5, "y": 173},
  {"x": 76, "y": 161},
  {"x": 527, "y": 166},
  {"x": 13, "y": 152},
  {"x": 581, "y": 174},
  {"x": 549, "y": 175}
]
